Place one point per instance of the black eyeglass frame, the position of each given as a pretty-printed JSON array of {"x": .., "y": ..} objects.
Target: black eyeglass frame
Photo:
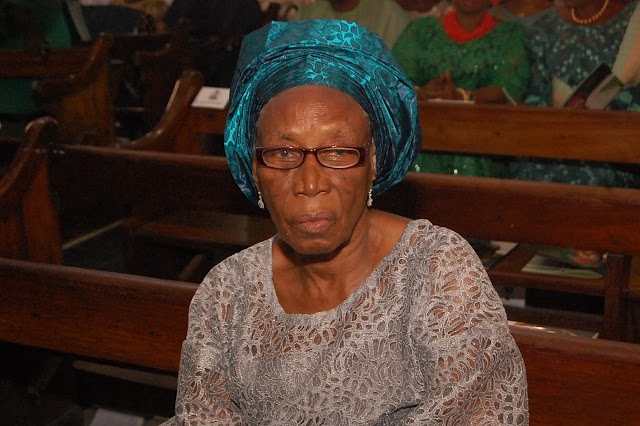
[{"x": 362, "y": 152}]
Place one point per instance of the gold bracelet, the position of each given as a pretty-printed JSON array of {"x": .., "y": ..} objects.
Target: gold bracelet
[{"x": 466, "y": 94}]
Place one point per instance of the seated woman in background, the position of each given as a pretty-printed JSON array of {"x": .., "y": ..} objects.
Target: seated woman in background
[
  {"x": 349, "y": 315},
  {"x": 566, "y": 46},
  {"x": 469, "y": 56}
]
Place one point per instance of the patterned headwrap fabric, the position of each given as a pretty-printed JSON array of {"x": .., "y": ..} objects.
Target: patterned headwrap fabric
[{"x": 338, "y": 54}]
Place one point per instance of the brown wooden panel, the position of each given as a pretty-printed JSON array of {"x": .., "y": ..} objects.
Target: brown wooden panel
[
  {"x": 124, "y": 318},
  {"x": 531, "y": 131},
  {"x": 578, "y": 381},
  {"x": 535, "y": 212}
]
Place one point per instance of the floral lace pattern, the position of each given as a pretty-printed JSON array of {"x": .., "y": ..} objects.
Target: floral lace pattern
[{"x": 424, "y": 340}]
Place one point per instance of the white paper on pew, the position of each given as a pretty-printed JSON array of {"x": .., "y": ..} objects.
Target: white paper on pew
[
  {"x": 212, "y": 97},
  {"x": 113, "y": 418}
]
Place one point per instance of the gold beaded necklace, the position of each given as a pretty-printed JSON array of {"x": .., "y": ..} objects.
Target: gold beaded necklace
[{"x": 589, "y": 20}]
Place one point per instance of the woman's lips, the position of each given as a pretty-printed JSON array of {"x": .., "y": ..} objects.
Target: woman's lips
[{"x": 314, "y": 223}]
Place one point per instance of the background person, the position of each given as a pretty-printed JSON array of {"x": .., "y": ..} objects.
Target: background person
[
  {"x": 349, "y": 314},
  {"x": 467, "y": 55},
  {"x": 384, "y": 17}
]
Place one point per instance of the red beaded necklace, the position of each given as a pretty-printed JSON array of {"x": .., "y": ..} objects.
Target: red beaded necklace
[{"x": 457, "y": 33}]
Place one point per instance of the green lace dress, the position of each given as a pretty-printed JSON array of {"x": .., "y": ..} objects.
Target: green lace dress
[
  {"x": 571, "y": 52},
  {"x": 499, "y": 58}
]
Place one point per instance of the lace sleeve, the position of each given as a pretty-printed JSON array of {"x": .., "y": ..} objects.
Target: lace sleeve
[
  {"x": 202, "y": 397},
  {"x": 473, "y": 371}
]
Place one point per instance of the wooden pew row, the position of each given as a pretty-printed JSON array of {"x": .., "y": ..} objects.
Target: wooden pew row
[
  {"x": 141, "y": 321},
  {"x": 522, "y": 131},
  {"x": 179, "y": 198},
  {"x": 73, "y": 86},
  {"x": 29, "y": 226},
  {"x": 607, "y": 136},
  {"x": 78, "y": 86},
  {"x": 146, "y": 68},
  {"x": 526, "y": 131}
]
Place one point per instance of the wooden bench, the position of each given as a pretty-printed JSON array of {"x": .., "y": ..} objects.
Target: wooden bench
[
  {"x": 146, "y": 68},
  {"x": 182, "y": 196},
  {"x": 551, "y": 133},
  {"x": 142, "y": 322},
  {"x": 28, "y": 222},
  {"x": 72, "y": 85},
  {"x": 524, "y": 131}
]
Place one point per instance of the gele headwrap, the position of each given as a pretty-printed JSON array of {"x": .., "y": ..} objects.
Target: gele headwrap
[{"x": 333, "y": 53}]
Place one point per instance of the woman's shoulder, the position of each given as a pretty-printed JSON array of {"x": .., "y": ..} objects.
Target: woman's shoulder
[
  {"x": 241, "y": 267},
  {"x": 509, "y": 28}
]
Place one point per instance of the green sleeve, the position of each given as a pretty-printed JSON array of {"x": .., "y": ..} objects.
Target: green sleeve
[
  {"x": 410, "y": 45},
  {"x": 514, "y": 73}
]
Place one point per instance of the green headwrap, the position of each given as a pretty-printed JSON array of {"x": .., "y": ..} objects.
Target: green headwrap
[{"x": 338, "y": 54}]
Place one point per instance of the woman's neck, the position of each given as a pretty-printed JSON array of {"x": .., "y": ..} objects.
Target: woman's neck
[
  {"x": 470, "y": 22},
  {"x": 309, "y": 285},
  {"x": 586, "y": 13}
]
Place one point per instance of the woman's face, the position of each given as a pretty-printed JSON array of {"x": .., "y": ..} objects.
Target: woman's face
[{"x": 316, "y": 209}]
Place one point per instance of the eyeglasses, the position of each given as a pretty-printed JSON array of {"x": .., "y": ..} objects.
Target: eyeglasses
[{"x": 287, "y": 157}]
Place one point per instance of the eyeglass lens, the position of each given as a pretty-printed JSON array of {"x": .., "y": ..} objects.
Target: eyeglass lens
[{"x": 290, "y": 158}]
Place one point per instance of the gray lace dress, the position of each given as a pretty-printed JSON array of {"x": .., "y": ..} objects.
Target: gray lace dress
[{"x": 423, "y": 341}]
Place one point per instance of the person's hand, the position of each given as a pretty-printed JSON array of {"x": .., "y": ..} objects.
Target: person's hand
[{"x": 441, "y": 87}]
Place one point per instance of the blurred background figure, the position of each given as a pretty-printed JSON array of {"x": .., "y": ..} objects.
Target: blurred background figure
[
  {"x": 384, "y": 17},
  {"x": 467, "y": 55},
  {"x": 422, "y": 8},
  {"x": 566, "y": 45},
  {"x": 218, "y": 27},
  {"x": 525, "y": 12},
  {"x": 35, "y": 25}
]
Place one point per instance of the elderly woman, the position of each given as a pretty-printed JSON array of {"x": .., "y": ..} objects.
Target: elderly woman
[{"x": 349, "y": 315}]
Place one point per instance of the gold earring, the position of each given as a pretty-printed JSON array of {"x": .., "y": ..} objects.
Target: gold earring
[
  {"x": 370, "y": 199},
  {"x": 260, "y": 202}
]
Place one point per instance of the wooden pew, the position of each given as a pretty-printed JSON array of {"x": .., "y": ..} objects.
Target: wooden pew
[
  {"x": 593, "y": 135},
  {"x": 523, "y": 131},
  {"x": 184, "y": 195},
  {"x": 142, "y": 321},
  {"x": 72, "y": 85},
  {"x": 28, "y": 222},
  {"x": 601, "y": 219},
  {"x": 148, "y": 66}
]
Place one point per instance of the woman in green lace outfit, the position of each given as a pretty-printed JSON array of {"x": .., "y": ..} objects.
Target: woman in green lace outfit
[
  {"x": 570, "y": 50},
  {"x": 466, "y": 55}
]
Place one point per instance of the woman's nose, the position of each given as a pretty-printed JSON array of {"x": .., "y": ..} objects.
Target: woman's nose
[{"x": 312, "y": 177}]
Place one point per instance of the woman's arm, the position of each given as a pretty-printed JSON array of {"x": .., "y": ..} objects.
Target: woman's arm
[
  {"x": 202, "y": 379},
  {"x": 473, "y": 371}
]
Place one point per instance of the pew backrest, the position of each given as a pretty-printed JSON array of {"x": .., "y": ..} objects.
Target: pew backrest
[
  {"x": 142, "y": 321},
  {"x": 527, "y": 131},
  {"x": 81, "y": 102},
  {"x": 28, "y": 222}
]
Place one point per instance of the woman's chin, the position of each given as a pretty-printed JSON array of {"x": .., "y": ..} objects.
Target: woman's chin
[{"x": 314, "y": 246}]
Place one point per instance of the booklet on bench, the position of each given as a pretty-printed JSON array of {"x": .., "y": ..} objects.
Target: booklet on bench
[{"x": 597, "y": 90}]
